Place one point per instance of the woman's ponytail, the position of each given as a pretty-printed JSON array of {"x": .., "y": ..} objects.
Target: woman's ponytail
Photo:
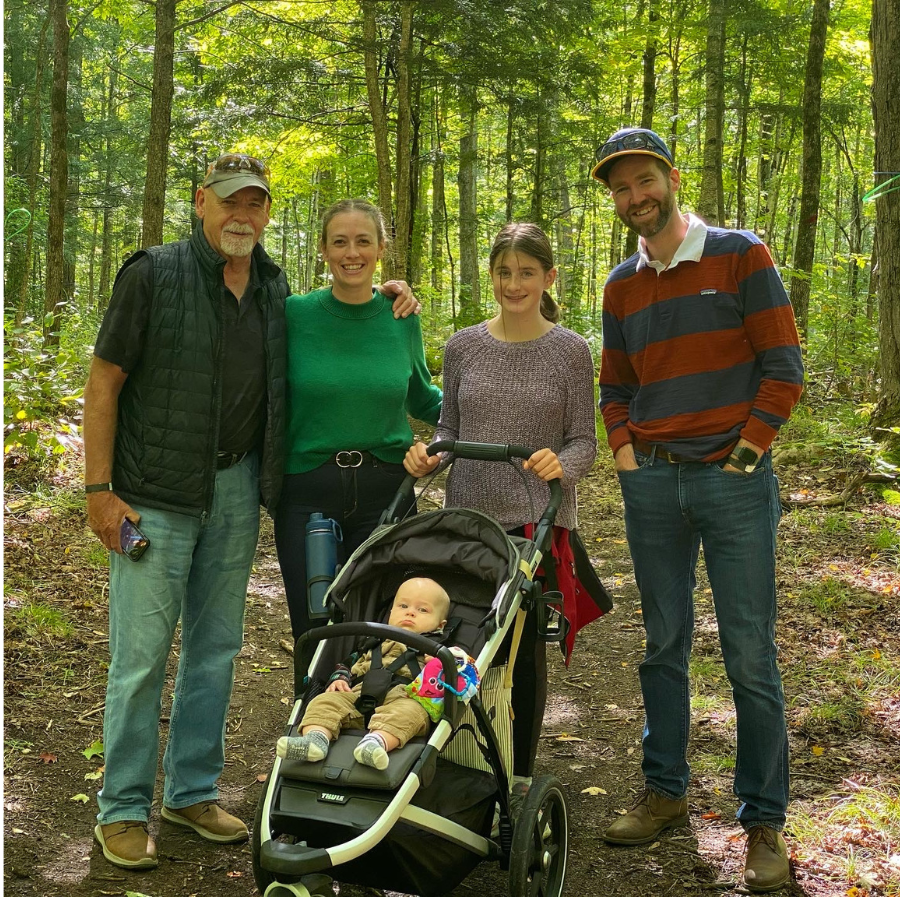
[{"x": 549, "y": 308}]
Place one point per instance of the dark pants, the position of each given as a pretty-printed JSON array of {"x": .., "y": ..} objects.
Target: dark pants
[
  {"x": 529, "y": 693},
  {"x": 355, "y": 498}
]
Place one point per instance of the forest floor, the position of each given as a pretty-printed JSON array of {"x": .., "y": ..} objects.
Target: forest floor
[{"x": 839, "y": 638}]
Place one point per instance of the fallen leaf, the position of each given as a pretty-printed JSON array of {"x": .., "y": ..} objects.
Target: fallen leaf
[
  {"x": 18, "y": 831},
  {"x": 622, "y": 812},
  {"x": 630, "y": 750},
  {"x": 654, "y": 845},
  {"x": 95, "y": 749},
  {"x": 47, "y": 758},
  {"x": 93, "y": 776},
  {"x": 235, "y": 874},
  {"x": 816, "y": 750},
  {"x": 569, "y": 737},
  {"x": 710, "y": 815},
  {"x": 261, "y": 777},
  {"x": 83, "y": 798},
  {"x": 577, "y": 768},
  {"x": 593, "y": 791},
  {"x": 611, "y": 706}
]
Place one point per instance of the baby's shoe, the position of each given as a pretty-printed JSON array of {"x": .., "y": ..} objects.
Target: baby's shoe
[
  {"x": 312, "y": 747},
  {"x": 371, "y": 751}
]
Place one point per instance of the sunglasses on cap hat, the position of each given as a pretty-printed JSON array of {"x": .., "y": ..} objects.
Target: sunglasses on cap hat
[
  {"x": 627, "y": 142},
  {"x": 239, "y": 162}
]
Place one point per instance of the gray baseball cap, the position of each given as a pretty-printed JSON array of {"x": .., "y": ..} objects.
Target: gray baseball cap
[{"x": 233, "y": 171}]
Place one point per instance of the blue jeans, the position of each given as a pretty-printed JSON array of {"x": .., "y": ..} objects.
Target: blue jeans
[
  {"x": 670, "y": 509},
  {"x": 196, "y": 571}
]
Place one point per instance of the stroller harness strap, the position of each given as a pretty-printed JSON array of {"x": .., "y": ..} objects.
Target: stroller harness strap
[{"x": 381, "y": 678}]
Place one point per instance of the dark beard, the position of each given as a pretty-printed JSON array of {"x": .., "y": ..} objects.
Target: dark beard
[{"x": 664, "y": 212}]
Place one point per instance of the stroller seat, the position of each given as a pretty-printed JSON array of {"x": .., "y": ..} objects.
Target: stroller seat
[{"x": 340, "y": 770}]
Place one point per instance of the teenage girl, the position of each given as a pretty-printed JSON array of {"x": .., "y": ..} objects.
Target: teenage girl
[{"x": 518, "y": 378}]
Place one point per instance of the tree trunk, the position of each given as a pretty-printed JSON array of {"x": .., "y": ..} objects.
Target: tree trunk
[
  {"x": 540, "y": 154},
  {"x": 153, "y": 213},
  {"x": 73, "y": 194},
  {"x": 805, "y": 247},
  {"x": 379, "y": 120},
  {"x": 885, "y": 44},
  {"x": 403, "y": 200},
  {"x": 648, "y": 104},
  {"x": 19, "y": 275},
  {"x": 711, "y": 204},
  {"x": 567, "y": 291},
  {"x": 92, "y": 259},
  {"x": 437, "y": 207},
  {"x": 741, "y": 173},
  {"x": 59, "y": 174},
  {"x": 103, "y": 292},
  {"x": 469, "y": 287},
  {"x": 510, "y": 121}
]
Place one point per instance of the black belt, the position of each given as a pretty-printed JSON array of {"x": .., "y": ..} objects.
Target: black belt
[
  {"x": 227, "y": 460},
  {"x": 661, "y": 452}
]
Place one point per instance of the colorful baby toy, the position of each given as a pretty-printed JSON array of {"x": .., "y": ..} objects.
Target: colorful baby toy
[{"x": 428, "y": 688}]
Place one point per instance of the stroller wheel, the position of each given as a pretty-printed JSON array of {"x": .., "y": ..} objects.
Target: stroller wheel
[
  {"x": 271, "y": 884},
  {"x": 540, "y": 844},
  {"x": 308, "y": 886}
]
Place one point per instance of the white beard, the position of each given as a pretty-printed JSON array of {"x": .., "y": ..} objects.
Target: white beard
[{"x": 237, "y": 244}]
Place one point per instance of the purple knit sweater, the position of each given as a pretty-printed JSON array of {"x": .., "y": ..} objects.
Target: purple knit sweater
[{"x": 536, "y": 393}]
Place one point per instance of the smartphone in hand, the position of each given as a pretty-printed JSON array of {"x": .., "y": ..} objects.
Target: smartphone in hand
[{"x": 134, "y": 542}]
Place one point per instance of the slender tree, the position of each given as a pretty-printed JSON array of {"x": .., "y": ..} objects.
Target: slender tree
[
  {"x": 711, "y": 203},
  {"x": 805, "y": 248},
  {"x": 885, "y": 42},
  {"x": 160, "y": 124},
  {"x": 59, "y": 173}
]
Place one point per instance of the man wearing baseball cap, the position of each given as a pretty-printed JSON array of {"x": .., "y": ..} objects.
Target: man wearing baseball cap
[
  {"x": 701, "y": 366},
  {"x": 184, "y": 415}
]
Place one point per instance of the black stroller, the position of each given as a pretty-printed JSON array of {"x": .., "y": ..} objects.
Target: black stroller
[{"x": 421, "y": 825}]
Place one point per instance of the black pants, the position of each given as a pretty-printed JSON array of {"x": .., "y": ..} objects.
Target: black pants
[
  {"x": 355, "y": 498},
  {"x": 529, "y": 693}
]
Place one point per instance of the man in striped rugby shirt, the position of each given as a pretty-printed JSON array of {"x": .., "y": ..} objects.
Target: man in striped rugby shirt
[{"x": 701, "y": 367}]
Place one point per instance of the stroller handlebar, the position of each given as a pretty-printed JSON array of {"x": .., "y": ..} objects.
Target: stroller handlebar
[
  {"x": 475, "y": 450},
  {"x": 388, "y": 632}
]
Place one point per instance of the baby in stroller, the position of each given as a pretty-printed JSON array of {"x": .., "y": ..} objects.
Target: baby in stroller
[{"x": 420, "y": 605}]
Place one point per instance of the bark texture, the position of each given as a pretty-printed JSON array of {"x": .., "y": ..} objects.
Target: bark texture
[
  {"x": 154, "y": 208},
  {"x": 885, "y": 40}
]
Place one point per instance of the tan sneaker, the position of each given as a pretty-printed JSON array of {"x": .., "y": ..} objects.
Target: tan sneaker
[
  {"x": 653, "y": 814},
  {"x": 127, "y": 844},
  {"x": 210, "y": 821},
  {"x": 767, "y": 867}
]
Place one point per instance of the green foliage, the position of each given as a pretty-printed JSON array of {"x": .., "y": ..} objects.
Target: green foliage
[
  {"x": 38, "y": 620},
  {"x": 41, "y": 392},
  {"x": 828, "y": 596}
]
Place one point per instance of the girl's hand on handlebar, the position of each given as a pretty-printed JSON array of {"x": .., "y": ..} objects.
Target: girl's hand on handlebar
[
  {"x": 417, "y": 461},
  {"x": 545, "y": 464}
]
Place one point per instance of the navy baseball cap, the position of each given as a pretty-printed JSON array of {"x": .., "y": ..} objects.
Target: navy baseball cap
[{"x": 629, "y": 142}]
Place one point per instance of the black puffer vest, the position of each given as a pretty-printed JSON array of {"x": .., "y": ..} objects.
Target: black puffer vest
[{"x": 169, "y": 407}]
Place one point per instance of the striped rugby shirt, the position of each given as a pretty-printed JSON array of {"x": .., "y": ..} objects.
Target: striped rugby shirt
[{"x": 700, "y": 353}]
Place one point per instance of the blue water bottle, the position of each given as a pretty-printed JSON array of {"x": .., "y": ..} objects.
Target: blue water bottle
[{"x": 322, "y": 537}]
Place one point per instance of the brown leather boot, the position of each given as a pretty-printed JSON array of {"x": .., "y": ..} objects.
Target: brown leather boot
[
  {"x": 127, "y": 844},
  {"x": 653, "y": 814},
  {"x": 209, "y": 820},
  {"x": 767, "y": 867}
]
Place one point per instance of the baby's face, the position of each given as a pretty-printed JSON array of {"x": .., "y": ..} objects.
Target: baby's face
[{"x": 413, "y": 612}]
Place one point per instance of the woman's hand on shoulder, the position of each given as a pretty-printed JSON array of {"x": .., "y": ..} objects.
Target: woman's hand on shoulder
[
  {"x": 417, "y": 461},
  {"x": 404, "y": 301},
  {"x": 545, "y": 464}
]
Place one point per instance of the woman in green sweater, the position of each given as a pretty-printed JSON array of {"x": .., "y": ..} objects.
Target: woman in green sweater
[{"x": 354, "y": 371}]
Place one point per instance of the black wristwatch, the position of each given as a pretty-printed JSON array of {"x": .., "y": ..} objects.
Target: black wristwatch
[{"x": 744, "y": 458}]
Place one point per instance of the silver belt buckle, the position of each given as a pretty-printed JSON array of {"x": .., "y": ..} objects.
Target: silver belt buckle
[{"x": 349, "y": 459}]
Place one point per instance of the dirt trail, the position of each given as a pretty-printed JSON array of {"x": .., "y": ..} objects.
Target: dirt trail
[{"x": 54, "y": 693}]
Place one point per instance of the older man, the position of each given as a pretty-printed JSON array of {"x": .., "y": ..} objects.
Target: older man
[
  {"x": 701, "y": 366},
  {"x": 184, "y": 433}
]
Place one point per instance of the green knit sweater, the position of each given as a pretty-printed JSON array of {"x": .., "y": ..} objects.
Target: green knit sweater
[{"x": 354, "y": 371}]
